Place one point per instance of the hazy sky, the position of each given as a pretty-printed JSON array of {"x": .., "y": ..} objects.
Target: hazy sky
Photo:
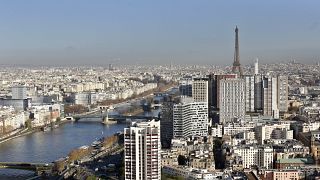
[{"x": 157, "y": 31}]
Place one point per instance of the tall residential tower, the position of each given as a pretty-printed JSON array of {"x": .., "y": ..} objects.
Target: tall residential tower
[
  {"x": 190, "y": 118},
  {"x": 19, "y": 92},
  {"x": 256, "y": 67},
  {"x": 232, "y": 100},
  {"x": 142, "y": 151},
  {"x": 200, "y": 89}
]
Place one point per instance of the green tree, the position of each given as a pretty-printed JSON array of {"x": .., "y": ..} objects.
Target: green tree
[
  {"x": 170, "y": 177},
  {"x": 28, "y": 124},
  {"x": 179, "y": 178},
  {"x": 59, "y": 165},
  {"x": 58, "y": 119},
  {"x": 92, "y": 177}
]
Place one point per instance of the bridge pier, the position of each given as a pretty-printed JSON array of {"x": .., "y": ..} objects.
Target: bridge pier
[{"x": 105, "y": 119}]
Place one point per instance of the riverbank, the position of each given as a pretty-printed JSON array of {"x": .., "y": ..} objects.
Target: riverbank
[
  {"x": 17, "y": 135},
  {"x": 85, "y": 159},
  {"x": 27, "y": 131},
  {"x": 134, "y": 112},
  {"x": 161, "y": 89},
  {"x": 47, "y": 147}
]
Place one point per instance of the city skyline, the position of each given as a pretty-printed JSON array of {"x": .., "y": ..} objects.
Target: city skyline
[
  {"x": 136, "y": 90},
  {"x": 182, "y": 32},
  {"x": 55, "y": 115}
]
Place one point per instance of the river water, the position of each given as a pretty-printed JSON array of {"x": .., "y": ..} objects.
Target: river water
[{"x": 52, "y": 145}]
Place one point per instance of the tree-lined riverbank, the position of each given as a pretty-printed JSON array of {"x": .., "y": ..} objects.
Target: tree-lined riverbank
[{"x": 52, "y": 145}]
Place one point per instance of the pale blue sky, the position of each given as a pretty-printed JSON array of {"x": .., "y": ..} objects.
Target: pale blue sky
[{"x": 155, "y": 32}]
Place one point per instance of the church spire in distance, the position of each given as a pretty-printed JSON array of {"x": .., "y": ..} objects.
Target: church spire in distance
[{"x": 236, "y": 63}]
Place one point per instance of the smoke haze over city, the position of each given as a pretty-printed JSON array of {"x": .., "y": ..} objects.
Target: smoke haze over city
[{"x": 157, "y": 32}]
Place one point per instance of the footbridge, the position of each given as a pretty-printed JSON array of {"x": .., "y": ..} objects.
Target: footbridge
[
  {"x": 39, "y": 168},
  {"x": 107, "y": 118}
]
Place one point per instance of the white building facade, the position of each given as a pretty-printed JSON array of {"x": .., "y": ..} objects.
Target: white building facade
[
  {"x": 142, "y": 151},
  {"x": 200, "y": 89},
  {"x": 233, "y": 128},
  {"x": 19, "y": 92},
  {"x": 261, "y": 156},
  {"x": 232, "y": 100},
  {"x": 249, "y": 93},
  {"x": 273, "y": 131},
  {"x": 190, "y": 118},
  {"x": 282, "y": 93}
]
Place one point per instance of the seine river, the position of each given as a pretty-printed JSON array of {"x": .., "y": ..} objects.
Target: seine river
[{"x": 51, "y": 145}]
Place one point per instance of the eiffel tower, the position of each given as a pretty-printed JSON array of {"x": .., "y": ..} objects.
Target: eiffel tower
[{"x": 236, "y": 69}]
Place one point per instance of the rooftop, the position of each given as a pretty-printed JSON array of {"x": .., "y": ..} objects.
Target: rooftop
[{"x": 296, "y": 161}]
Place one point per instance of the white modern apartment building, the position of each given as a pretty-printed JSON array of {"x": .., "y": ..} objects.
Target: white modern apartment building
[
  {"x": 11, "y": 119},
  {"x": 305, "y": 127},
  {"x": 232, "y": 100},
  {"x": 200, "y": 89},
  {"x": 256, "y": 67},
  {"x": 311, "y": 110},
  {"x": 273, "y": 131},
  {"x": 249, "y": 93},
  {"x": 269, "y": 91},
  {"x": 19, "y": 92},
  {"x": 85, "y": 98},
  {"x": 275, "y": 95},
  {"x": 142, "y": 151},
  {"x": 258, "y": 100},
  {"x": 190, "y": 118},
  {"x": 270, "y": 94},
  {"x": 233, "y": 128},
  {"x": 217, "y": 130},
  {"x": 190, "y": 173},
  {"x": 261, "y": 156},
  {"x": 282, "y": 93}
]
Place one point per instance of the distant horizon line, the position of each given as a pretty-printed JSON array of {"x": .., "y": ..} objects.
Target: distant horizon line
[{"x": 145, "y": 64}]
